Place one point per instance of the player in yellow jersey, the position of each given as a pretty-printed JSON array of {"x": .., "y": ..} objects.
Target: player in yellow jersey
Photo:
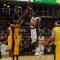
[
  {"x": 56, "y": 37},
  {"x": 14, "y": 39}
]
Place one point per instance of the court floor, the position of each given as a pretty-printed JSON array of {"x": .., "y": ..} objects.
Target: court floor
[{"x": 44, "y": 57}]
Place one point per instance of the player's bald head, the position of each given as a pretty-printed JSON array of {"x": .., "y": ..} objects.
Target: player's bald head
[{"x": 57, "y": 22}]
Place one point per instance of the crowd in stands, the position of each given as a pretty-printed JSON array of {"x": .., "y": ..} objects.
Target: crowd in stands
[{"x": 26, "y": 47}]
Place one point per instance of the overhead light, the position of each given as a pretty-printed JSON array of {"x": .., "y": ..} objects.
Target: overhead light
[
  {"x": 19, "y": 7},
  {"x": 4, "y": 4},
  {"x": 8, "y": 6}
]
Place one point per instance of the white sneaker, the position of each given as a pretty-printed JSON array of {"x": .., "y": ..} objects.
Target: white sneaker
[
  {"x": 36, "y": 53},
  {"x": 41, "y": 53}
]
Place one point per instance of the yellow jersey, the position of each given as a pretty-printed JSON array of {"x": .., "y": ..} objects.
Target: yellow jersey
[
  {"x": 17, "y": 36},
  {"x": 56, "y": 35}
]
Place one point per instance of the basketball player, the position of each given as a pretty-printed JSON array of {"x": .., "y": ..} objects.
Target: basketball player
[
  {"x": 40, "y": 47},
  {"x": 14, "y": 39},
  {"x": 56, "y": 37},
  {"x": 33, "y": 26}
]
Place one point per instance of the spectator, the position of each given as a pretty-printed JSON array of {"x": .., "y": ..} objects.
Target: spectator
[{"x": 3, "y": 36}]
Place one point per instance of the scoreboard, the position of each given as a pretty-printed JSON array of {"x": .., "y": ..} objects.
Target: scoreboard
[{"x": 39, "y": 1}]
